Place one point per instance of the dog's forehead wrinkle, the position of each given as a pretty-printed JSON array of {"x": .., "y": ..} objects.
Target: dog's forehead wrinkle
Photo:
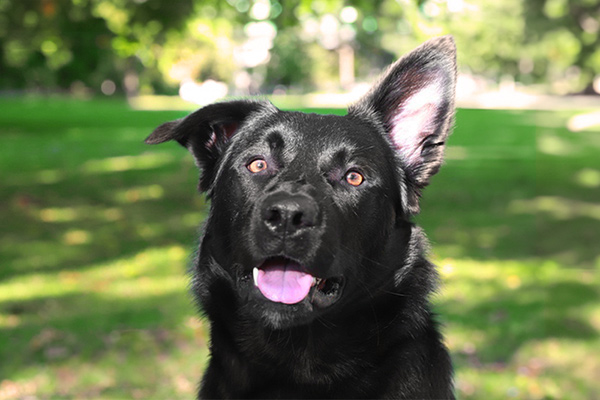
[
  {"x": 338, "y": 156},
  {"x": 275, "y": 140},
  {"x": 320, "y": 139}
]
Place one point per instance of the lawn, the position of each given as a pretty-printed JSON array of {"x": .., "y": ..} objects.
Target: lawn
[{"x": 97, "y": 231}]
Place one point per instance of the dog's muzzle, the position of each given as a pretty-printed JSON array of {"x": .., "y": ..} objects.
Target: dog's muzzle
[
  {"x": 288, "y": 222},
  {"x": 288, "y": 215}
]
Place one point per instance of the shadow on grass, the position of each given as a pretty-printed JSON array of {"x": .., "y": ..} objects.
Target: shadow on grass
[
  {"x": 84, "y": 188},
  {"x": 516, "y": 317},
  {"x": 84, "y": 322},
  {"x": 505, "y": 194},
  {"x": 92, "y": 345}
]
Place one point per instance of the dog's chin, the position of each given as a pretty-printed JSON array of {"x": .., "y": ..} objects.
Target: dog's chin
[{"x": 282, "y": 294}]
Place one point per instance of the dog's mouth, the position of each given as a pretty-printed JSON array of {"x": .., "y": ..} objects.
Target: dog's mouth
[{"x": 283, "y": 280}]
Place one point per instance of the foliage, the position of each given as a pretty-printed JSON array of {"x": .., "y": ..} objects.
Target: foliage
[
  {"x": 568, "y": 35},
  {"x": 97, "y": 228},
  {"x": 290, "y": 64},
  {"x": 150, "y": 46},
  {"x": 53, "y": 43}
]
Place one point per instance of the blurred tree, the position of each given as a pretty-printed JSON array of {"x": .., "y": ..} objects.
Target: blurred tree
[
  {"x": 568, "y": 34},
  {"x": 53, "y": 43},
  {"x": 290, "y": 62},
  {"x": 151, "y": 46}
]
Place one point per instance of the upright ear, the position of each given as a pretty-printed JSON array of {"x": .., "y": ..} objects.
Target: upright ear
[
  {"x": 206, "y": 131},
  {"x": 414, "y": 102}
]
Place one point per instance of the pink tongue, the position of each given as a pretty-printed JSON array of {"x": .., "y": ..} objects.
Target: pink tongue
[{"x": 283, "y": 282}]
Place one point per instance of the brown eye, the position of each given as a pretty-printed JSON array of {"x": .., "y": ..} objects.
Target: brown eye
[
  {"x": 354, "y": 178},
  {"x": 257, "y": 165}
]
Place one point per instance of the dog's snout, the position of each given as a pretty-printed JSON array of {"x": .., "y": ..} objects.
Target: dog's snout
[{"x": 289, "y": 214}]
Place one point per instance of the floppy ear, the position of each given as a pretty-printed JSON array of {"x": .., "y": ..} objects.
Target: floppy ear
[
  {"x": 206, "y": 131},
  {"x": 414, "y": 102}
]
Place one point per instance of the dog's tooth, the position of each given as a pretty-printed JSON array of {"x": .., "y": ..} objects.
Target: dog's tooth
[
  {"x": 321, "y": 284},
  {"x": 255, "y": 276},
  {"x": 314, "y": 282}
]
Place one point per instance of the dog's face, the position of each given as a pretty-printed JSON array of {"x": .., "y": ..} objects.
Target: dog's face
[
  {"x": 293, "y": 201},
  {"x": 309, "y": 212}
]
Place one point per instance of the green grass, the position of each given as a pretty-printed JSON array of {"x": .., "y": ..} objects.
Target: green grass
[{"x": 97, "y": 229}]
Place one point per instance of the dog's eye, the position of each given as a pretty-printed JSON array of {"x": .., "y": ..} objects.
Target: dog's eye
[
  {"x": 354, "y": 178},
  {"x": 257, "y": 165}
]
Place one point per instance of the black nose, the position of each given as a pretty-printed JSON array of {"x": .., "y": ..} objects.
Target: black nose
[{"x": 285, "y": 213}]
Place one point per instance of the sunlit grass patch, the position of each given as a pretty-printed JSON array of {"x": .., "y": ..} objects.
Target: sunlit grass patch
[
  {"x": 126, "y": 163},
  {"x": 113, "y": 329},
  {"x": 139, "y": 193},
  {"x": 521, "y": 329},
  {"x": 149, "y": 273}
]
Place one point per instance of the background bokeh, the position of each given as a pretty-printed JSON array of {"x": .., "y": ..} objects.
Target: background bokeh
[
  {"x": 97, "y": 229},
  {"x": 261, "y": 46}
]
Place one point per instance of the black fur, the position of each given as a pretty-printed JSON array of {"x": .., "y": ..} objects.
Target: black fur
[{"x": 365, "y": 329}]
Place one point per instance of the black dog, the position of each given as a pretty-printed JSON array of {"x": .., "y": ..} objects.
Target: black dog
[{"x": 310, "y": 270}]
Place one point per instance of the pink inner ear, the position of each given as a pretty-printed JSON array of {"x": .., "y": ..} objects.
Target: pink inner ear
[
  {"x": 414, "y": 120},
  {"x": 229, "y": 129},
  {"x": 221, "y": 133}
]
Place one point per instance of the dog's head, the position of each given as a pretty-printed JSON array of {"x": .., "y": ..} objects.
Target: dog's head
[{"x": 309, "y": 212}]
